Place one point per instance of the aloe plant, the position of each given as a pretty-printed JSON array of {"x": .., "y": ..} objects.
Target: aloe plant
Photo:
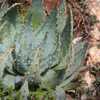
[{"x": 38, "y": 54}]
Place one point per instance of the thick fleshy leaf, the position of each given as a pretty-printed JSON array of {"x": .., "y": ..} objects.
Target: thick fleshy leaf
[{"x": 77, "y": 57}]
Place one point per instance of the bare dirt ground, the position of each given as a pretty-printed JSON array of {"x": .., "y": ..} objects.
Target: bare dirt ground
[
  {"x": 94, "y": 51},
  {"x": 94, "y": 6}
]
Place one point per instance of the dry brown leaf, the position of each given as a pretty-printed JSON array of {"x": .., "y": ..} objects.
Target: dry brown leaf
[{"x": 50, "y": 4}]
